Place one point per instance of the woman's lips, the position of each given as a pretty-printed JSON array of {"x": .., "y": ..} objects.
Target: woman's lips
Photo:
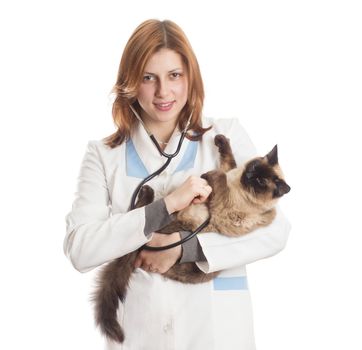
[{"x": 164, "y": 107}]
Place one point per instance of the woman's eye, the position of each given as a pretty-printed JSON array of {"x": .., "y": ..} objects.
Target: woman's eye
[
  {"x": 175, "y": 75},
  {"x": 147, "y": 78}
]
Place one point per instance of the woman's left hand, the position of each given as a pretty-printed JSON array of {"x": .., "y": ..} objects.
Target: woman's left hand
[{"x": 159, "y": 261}]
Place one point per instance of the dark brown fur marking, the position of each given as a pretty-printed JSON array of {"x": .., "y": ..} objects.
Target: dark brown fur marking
[{"x": 227, "y": 161}]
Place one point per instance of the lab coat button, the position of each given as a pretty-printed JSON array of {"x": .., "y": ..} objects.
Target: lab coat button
[{"x": 167, "y": 327}]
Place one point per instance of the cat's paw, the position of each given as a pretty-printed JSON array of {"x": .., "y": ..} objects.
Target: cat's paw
[
  {"x": 213, "y": 176},
  {"x": 222, "y": 142},
  {"x": 208, "y": 176},
  {"x": 145, "y": 196},
  {"x": 146, "y": 192}
]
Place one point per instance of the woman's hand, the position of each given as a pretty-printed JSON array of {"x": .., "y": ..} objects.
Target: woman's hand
[
  {"x": 193, "y": 190},
  {"x": 159, "y": 261}
]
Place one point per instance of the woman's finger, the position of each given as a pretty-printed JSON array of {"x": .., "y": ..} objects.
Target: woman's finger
[
  {"x": 138, "y": 263},
  {"x": 204, "y": 193},
  {"x": 145, "y": 267},
  {"x": 204, "y": 182}
]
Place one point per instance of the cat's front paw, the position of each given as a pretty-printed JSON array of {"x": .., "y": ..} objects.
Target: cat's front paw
[
  {"x": 208, "y": 176},
  {"x": 222, "y": 143},
  {"x": 145, "y": 196},
  {"x": 213, "y": 176},
  {"x": 217, "y": 180}
]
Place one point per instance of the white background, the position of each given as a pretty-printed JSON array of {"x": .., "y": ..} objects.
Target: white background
[{"x": 290, "y": 70}]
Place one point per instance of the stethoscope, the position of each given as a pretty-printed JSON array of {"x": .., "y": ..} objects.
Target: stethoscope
[{"x": 158, "y": 172}]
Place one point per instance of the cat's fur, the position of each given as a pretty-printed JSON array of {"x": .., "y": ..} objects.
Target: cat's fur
[{"x": 242, "y": 199}]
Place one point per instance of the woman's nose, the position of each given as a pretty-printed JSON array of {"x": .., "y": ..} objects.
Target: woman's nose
[{"x": 163, "y": 88}]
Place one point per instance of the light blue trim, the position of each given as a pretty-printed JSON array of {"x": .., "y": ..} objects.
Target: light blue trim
[
  {"x": 188, "y": 160},
  {"x": 134, "y": 164},
  {"x": 136, "y": 168},
  {"x": 231, "y": 283}
]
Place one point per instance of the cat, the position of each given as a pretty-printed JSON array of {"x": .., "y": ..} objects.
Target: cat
[{"x": 242, "y": 199}]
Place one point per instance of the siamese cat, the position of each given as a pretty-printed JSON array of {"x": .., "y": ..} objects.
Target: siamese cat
[{"x": 242, "y": 199}]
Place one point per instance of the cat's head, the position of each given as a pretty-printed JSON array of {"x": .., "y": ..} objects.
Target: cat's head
[{"x": 263, "y": 179}]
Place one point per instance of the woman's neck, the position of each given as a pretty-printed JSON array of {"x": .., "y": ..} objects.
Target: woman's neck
[{"x": 162, "y": 131}]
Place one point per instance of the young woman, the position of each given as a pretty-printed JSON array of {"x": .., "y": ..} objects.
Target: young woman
[{"x": 159, "y": 81}]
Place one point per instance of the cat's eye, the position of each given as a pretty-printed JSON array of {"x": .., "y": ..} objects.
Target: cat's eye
[{"x": 260, "y": 181}]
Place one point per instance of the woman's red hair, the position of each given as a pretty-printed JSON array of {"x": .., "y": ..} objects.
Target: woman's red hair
[{"x": 148, "y": 38}]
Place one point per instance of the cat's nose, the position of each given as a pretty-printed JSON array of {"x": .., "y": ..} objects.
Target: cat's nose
[{"x": 282, "y": 188}]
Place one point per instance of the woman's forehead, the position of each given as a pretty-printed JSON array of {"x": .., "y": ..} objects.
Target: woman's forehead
[{"x": 164, "y": 60}]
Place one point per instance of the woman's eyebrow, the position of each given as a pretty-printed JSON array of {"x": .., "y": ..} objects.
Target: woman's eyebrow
[{"x": 171, "y": 71}]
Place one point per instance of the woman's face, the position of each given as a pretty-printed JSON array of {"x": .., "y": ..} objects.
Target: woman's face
[{"x": 164, "y": 88}]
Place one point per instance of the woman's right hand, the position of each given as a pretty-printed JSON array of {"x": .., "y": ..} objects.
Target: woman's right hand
[{"x": 194, "y": 190}]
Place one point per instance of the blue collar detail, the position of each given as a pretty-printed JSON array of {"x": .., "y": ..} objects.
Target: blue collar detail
[
  {"x": 134, "y": 164},
  {"x": 188, "y": 159},
  {"x": 136, "y": 168}
]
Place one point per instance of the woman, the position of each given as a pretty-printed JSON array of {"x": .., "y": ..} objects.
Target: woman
[{"x": 159, "y": 81}]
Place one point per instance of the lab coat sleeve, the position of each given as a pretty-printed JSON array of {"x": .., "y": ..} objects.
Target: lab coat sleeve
[
  {"x": 93, "y": 235},
  {"x": 224, "y": 252}
]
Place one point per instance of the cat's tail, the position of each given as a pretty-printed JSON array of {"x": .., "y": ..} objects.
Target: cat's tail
[{"x": 111, "y": 286}]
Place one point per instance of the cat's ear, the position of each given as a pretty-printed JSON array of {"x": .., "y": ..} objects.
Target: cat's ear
[{"x": 272, "y": 156}]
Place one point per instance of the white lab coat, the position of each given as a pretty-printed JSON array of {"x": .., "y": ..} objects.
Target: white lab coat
[{"x": 161, "y": 314}]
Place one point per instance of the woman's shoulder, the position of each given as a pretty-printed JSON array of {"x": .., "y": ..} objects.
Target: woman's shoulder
[
  {"x": 222, "y": 125},
  {"x": 99, "y": 149},
  {"x": 101, "y": 145}
]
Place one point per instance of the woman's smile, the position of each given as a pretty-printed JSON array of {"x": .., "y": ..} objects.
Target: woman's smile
[{"x": 164, "y": 106}]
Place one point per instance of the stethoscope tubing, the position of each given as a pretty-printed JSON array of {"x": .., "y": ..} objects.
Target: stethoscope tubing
[
  {"x": 157, "y": 172},
  {"x": 181, "y": 241},
  {"x": 160, "y": 170}
]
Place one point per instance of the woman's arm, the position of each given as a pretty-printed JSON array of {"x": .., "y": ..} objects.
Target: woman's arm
[
  {"x": 193, "y": 190},
  {"x": 223, "y": 252},
  {"x": 93, "y": 235}
]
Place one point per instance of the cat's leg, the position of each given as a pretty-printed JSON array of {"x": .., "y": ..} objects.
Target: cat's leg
[
  {"x": 145, "y": 196},
  {"x": 267, "y": 217},
  {"x": 189, "y": 273},
  {"x": 227, "y": 160},
  {"x": 218, "y": 182},
  {"x": 174, "y": 226}
]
